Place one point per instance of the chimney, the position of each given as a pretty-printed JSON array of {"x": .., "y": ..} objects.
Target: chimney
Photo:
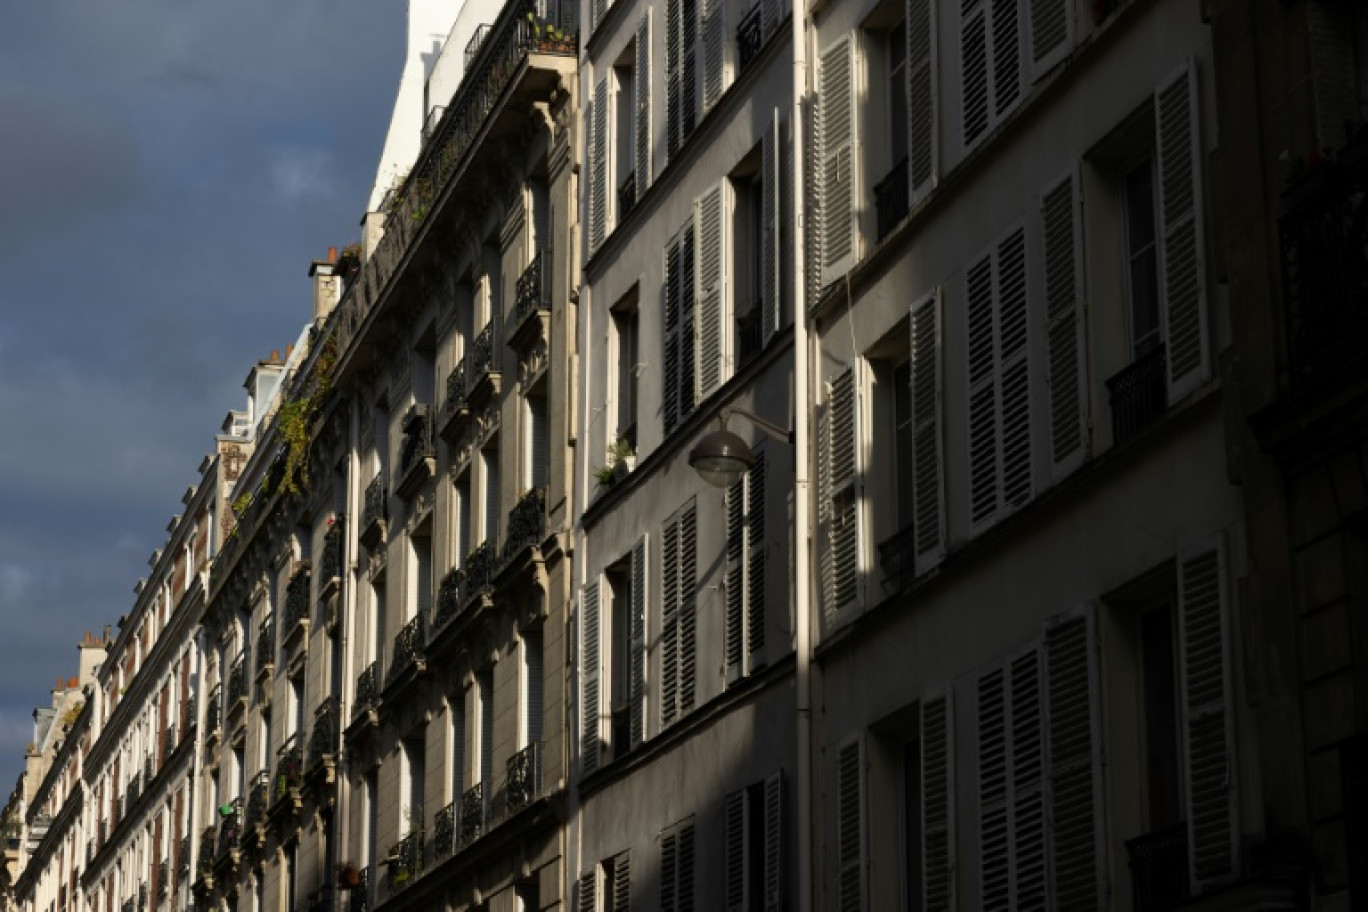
[{"x": 327, "y": 285}]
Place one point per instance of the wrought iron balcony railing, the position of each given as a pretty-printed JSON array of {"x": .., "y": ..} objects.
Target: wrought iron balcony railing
[
  {"x": 237, "y": 680},
  {"x": 289, "y": 769},
  {"x": 455, "y": 389},
  {"x": 229, "y": 830},
  {"x": 524, "y": 776},
  {"x": 526, "y": 523},
  {"x": 297, "y": 599},
  {"x": 474, "y": 807},
  {"x": 626, "y": 196},
  {"x": 183, "y": 858},
  {"x": 749, "y": 38},
  {"x": 405, "y": 862},
  {"x": 444, "y": 832},
  {"x": 212, "y": 710},
  {"x": 480, "y": 360},
  {"x": 890, "y": 199},
  {"x": 360, "y": 894},
  {"x": 133, "y": 792},
  {"x": 473, "y": 45},
  {"x": 477, "y": 573},
  {"x": 330, "y": 566},
  {"x": 163, "y": 879},
  {"x": 418, "y": 443},
  {"x": 367, "y": 687},
  {"x": 1139, "y": 395},
  {"x": 323, "y": 738},
  {"x": 534, "y": 288},
  {"x": 408, "y": 647},
  {"x": 149, "y": 769},
  {"x": 208, "y": 850},
  {"x": 1159, "y": 869},
  {"x": 265, "y": 651},
  {"x": 375, "y": 509},
  {"x": 448, "y": 599},
  {"x": 142, "y": 896},
  {"x": 258, "y": 792}
]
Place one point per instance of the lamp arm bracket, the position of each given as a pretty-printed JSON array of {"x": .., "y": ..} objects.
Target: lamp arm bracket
[{"x": 769, "y": 427}]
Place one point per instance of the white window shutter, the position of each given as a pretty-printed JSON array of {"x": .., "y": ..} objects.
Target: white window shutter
[
  {"x": 735, "y": 839},
  {"x": 927, "y": 449},
  {"x": 1074, "y": 748},
  {"x": 1051, "y": 34},
  {"x": 771, "y": 12},
  {"x": 598, "y": 166},
  {"x": 975, "y": 107},
  {"x": 590, "y": 658},
  {"x": 1013, "y": 319},
  {"x": 688, "y": 352},
  {"x": 712, "y": 18},
  {"x": 674, "y": 50},
  {"x": 774, "y": 842},
  {"x": 1005, "y": 16},
  {"x": 981, "y": 362},
  {"x": 755, "y": 562},
  {"x": 772, "y": 281},
  {"x": 638, "y": 634},
  {"x": 588, "y": 901},
  {"x": 735, "y": 624},
  {"x": 669, "y": 632},
  {"x": 922, "y": 135},
  {"x": 850, "y": 827},
  {"x": 622, "y": 882},
  {"x": 671, "y": 320},
  {"x": 1031, "y": 867},
  {"x": 643, "y": 104},
  {"x": 1178, "y": 198},
  {"x": 688, "y": 70},
  {"x": 841, "y": 570},
  {"x": 1066, "y": 329},
  {"x": 688, "y": 607},
  {"x": 994, "y": 787},
  {"x": 1208, "y": 715},
  {"x": 710, "y": 290},
  {"x": 837, "y": 91},
  {"x": 938, "y": 804}
]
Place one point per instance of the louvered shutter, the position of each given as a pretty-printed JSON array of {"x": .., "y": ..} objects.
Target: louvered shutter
[
  {"x": 1014, "y": 369},
  {"x": 622, "y": 882},
  {"x": 539, "y": 459},
  {"x": 842, "y": 458},
  {"x": 927, "y": 449},
  {"x": 994, "y": 792},
  {"x": 532, "y": 651},
  {"x": 837, "y": 92},
  {"x": 850, "y": 827},
  {"x": 669, "y": 629},
  {"x": 735, "y": 622},
  {"x": 1075, "y": 762},
  {"x": 598, "y": 166},
  {"x": 688, "y": 607},
  {"x": 1065, "y": 328},
  {"x": 922, "y": 135},
  {"x": 1208, "y": 715},
  {"x": 643, "y": 104},
  {"x": 1028, "y": 784},
  {"x": 755, "y": 562},
  {"x": 589, "y": 606},
  {"x": 771, "y": 12},
  {"x": 1182, "y": 279},
  {"x": 774, "y": 842},
  {"x": 688, "y": 68},
  {"x": 638, "y": 659},
  {"x": 669, "y": 871},
  {"x": 709, "y": 294},
  {"x": 684, "y": 880},
  {"x": 735, "y": 839},
  {"x": 688, "y": 352},
  {"x": 674, "y": 15},
  {"x": 1330, "y": 34},
  {"x": 713, "y": 22},
  {"x": 670, "y": 342},
  {"x": 771, "y": 281},
  {"x": 974, "y": 102},
  {"x": 983, "y": 410},
  {"x": 938, "y": 804},
  {"x": 1051, "y": 34},
  {"x": 1006, "y": 60},
  {"x": 597, "y": 9},
  {"x": 588, "y": 902}
]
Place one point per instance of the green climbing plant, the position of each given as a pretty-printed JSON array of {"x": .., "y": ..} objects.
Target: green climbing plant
[{"x": 296, "y": 420}]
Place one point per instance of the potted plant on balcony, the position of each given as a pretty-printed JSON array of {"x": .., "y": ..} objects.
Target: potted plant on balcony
[
  {"x": 348, "y": 876},
  {"x": 621, "y": 462}
]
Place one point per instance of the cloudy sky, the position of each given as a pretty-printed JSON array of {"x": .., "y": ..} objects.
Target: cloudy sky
[{"x": 168, "y": 169}]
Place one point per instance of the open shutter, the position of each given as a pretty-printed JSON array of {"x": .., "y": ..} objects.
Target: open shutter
[
  {"x": 837, "y": 92},
  {"x": 688, "y": 69},
  {"x": 1051, "y": 34},
  {"x": 850, "y": 827},
  {"x": 674, "y": 15},
  {"x": 589, "y": 607},
  {"x": 670, "y": 344},
  {"x": 598, "y": 166},
  {"x": 710, "y": 278},
  {"x": 669, "y": 871},
  {"x": 684, "y": 878},
  {"x": 937, "y": 805},
  {"x": 983, "y": 409},
  {"x": 1028, "y": 784},
  {"x": 774, "y": 842},
  {"x": 643, "y": 104},
  {"x": 622, "y": 882},
  {"x": 927, "y": 474},
  {"x": 1208, "y": 715},
  {"x": 638, "y": 659},
  {"x": 842, "y": 456},
  {"x": 1075, "y": 758},
  {"x": 713, "y": 15},
  {"x": 922, "y": 145},
  {"x": 688, "y": 607},
  {"x": 995, "y": 835},
  {"x": 1006, "y": 59},
  {"x": 974, "y": 107},
  {"x": 1066, "y": 367},
  {"x": 771, "y": 281},
  {"x": 755, "y": 562},
  {"x": 597, "y": 10},
  {"x": 735, "y": 625},
  {"x": 735, "y": 839},
  {"x": 588, "y": 902},
  {"x": 1014, "y": 369},
  {"x": 669, "y": 630},
  {"x": 1182, "y": 279}
]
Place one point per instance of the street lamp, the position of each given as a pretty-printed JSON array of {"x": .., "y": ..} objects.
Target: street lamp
[{"x": 721, "y": 457}]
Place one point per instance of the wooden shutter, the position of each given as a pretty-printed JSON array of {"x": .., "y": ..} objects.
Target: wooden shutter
[
  {"x": 928, "y": 492},
  {"x": 598, "y": 166},
  {"x": 850, "y": 827},
  {"x": 735, "y": 603},
  {"x": 1208, "y": 715},
  {"x": 669, "y": 871},
  {"x": 590, "y": 606},
  {"x": 1051, "y": 34},
  {"x": 671, "y": 322},
  {"x": 1066, "y": 365},
  {"x": 1028, "y": 784},
  {"x": 710, "y": 290},
  {"x": 842, "y": 458},
  {"x": 674, "y": 15},
  {"x": 532, "y": 653},
  {"x": 837, "y": 93},
  {"x": 643, "y": 104},
  {"x": 1178, "y": 198},
  {"x": 974, "y": 103},
  {"x": 638, "y": 658},
  {"x": 669, "y": 628},
  {"x": 981, "y": 364},
  {"x": 588, "y": 901},
  {"x": 771, "y": 282},
  {"x": 735, "y": 840},
  {"x": 539, "y": 459},
  {"x": 774, "y": 842},
  {"x": 938, "y": 804},
  {"x": 622, "y": 882},
  {"x": 684, "y": 879},
  {"x": 755, "y": 562},
  {"x": 922, "y": 134},
  {"x": 1014, "y": 369},
  {"x": 994, "y": 792},
  {"x": 688, "y": 605},
  {"x": 1077, "y": 838},
  {"x": 1006, "y": 59},
  {"x": 1330, "y": 35},
  {"x": 712, "y": 15},
  {"x": 688, "y": 68}
]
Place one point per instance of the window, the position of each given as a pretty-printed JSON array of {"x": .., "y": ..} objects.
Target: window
[
  {"x": 600, "y": 161},
  {"x": 696, "y": 338},
  {"x": 485, "y": 695},
  {"x": 678, "y": 636},
  {"x": 677, "y": 867},
  {"x": 371, "y": 797},
  {"x": 995, "y": 47},
  {"x": 377, "y": 639},
  {"x": 677, "y": 323},
  {"x": 748, "y": 256},
  {"x": 414, "y": 771},
  {"x": 591, "y": 661},
  {"x": 489, "y": 466},
  {"x": 681, "y": 74},
  {"x": 838, "y": 498},
  {"x": 532, "y": 684},
  {"x": 626, "y": 588},
  {"x": 456, "y": 734},
  {"x": 624, "y": 130},
  {"x": 745, "y": 572},
  {"x": 752, "y": 843},
  {"x": 1142, "y": 264},
  {"x": 460, "y": 518},
  {"x": 536, "y": 440},
  {"x": 885, "y": 41},
  {"x": 626, "y": 367},
  {"x": 420, "y": 569}
]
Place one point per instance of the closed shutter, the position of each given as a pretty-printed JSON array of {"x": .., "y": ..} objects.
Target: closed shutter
[
  {"x": 990, "y": 61},
  {"x": 709, "y": 295},
  {"x": 688, "y": 353},
  {"x": 850, "y": 827},
  {"x": 842, "y": 555},
  {"x": 684, "y": 879},
  {"x": 774, "y": 842},
  {"x": 755, "y": 562},
  {"x": 598, "y": 166},
  {"x": 491, "y": 478},
  {"x": 1066, "y": 366},
  {"x": 643, "y": 104},
  {"x": 669, "y": 871},
  {"x": 1330, "y": 34},
  {"x": 588, "y": 901},
  {"x": 713, "y": 21},
  {"x": 735, "y": 839},
  {"x": 1028, "y": 784},
  {"x": 1006, "y": 61},
  {"x": 927, "y": 448},
  {"x": 771, "y": 12},
  {"x": 688, "y": 607},
  {"x": 735, "y": 623},
  {"x": 674, "y": 51},
  {"x": 622, "y": 882},
  {"x": 994, "y": 792},
  {"x": 597, "y": 9},
  {"x": 638, "y": 659},
  {"x": 1075, "y": 758},
  {"x": 1013, "y": 345},
  {"x": 983, "y": 408},
  {"x": 974, "y": 102},
  {"x": 922, "y": 135},
  {"x": 532, "y": 657},
  {"x": 669, "y": 624},
  {"x": 837, "y": 93},
  {"x": 670, "y": 344},
  {"x": 771, "y": 282},
  {"x": 688, "y": 68},
  {"x": 589, "y": 606},
  {"x": 1182, "y": 282},
  {"x": 1051, "y": 34},
  {"x": 539, "y": 459},
  {"x": 938, "y": 803},
  {"x": 1208, "y": 715}
]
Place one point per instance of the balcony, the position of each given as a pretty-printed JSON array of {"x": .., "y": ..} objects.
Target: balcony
[
  {"x": 526, "y": 524},
  {"x": 265, "y": 648},
  {"x": 1139, "y": 395},
  {"x": 890, "y": 199},
  {"x": 330, "y": 564},
  {"x": 482, "y": 368},
  {"x": 149, "y": 770},
  {"x": 258, "y": 799},
  {"x": 455, "y": 404},
  {"x": 533, "y": 298},
  {"x": 142, "y": 897},
  {"x": 626, "y": 196},
  {"x": 477, "y": 573},
  {"x": 133, "y": 793},
  {"x": 417, "y": 452},
  {"x": 408, "y": 649},
  {"x": 1159, "y": 869},
  {"x": 367, "y": 689},
  {"x": 229, "y": 836},
  {"x": 323, "y": 738},
  {"x": 473, "y": 809},
  {"x": 472, "y": 47},
  {"x": 163, "y": 879},
  {"x": 444, "y": 832},
  {"x": 289, "y": 773},
  {"x": 448, "y": 600},
  {"x": 212, "y": 710},
  {"x": 208, "y": 852},
  {"x": 1324, "y": 241},
  {"x": 237, "y": 683},
  {"x": 375, "y": 510},
  {"x": 750, "y": 38},
  {"x": 405, "y": 862},
  {"x": 183, "y": 858},
  {"x": 297, "y": 603},
  {"x": 524, "y": 777}
]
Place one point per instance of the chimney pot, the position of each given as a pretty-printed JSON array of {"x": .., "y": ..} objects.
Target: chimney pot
[{"x": 332, "y": 254}]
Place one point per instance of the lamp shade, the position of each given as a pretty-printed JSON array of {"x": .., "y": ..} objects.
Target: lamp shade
[{"x": 721, "y": 458}]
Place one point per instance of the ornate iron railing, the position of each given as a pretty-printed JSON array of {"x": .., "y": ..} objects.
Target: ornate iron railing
[
  {"x": 330, "y": 566},
  {"x": 455, "y": 388},
  {"x": 297, "y": 598},
  {"x": 289, "y": 770},
  {"x": 1139, "y": 395},
  {"x": 323, "y": 738},
  {"x": 477, "y": 572},
  {"x": 258, "y": 798},
  {"x": 890, "y": 199},
  {"x": 444, "y": 831},
  {"x": 417, "y": 444},
  {"x": 406, "y": 862},
  {"x": 212, "y": 710},
  {"x": 750, "y": 38},
  {"x": 448, "y": 599},
  {"x": 265, "y": 651},
  {"x": 481, "y": 357},
  {"x": 1159, "y": 869},
  {"x": 183, "y": 858},
  {"x": 473, "y": 811},
  {"x": 149, "y": 769},
  {"x": 237, "y": 680},
  {"x": 133, "y": 792},
  {"x": 374, "y": 510},
  {"x": 626, "y": 196},
  {"x": 534, "y": 288},
  {"x": 142, "y": 895},
  {"x": 524, "y": 776},
  {"x": 408, "y": 647},
  {"x": 229, "y": 830},
  {"x": 526, "y": 523},
  {"x": 207, "y": 849},
  {"x": 476, "y": 39},
  {"x": 367, "y": 687},
  {"x": 360, "y": 894},
  {"x": 163, "y": 879}
]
